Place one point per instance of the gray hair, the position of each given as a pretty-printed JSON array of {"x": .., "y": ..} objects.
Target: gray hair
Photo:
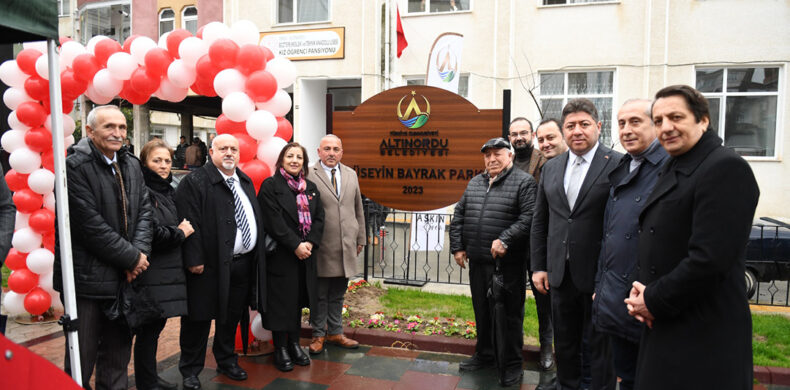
[
  {"x": 331, "y": 136},
  {"x": 648, "y": 109},
  {"x": 222, "y": 137},
  {"x": 95, "y": 111}
]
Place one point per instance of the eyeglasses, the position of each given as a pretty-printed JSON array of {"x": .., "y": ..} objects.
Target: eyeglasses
[{"x": 522, "y": 133}]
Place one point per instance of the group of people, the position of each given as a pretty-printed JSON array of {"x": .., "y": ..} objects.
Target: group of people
[
  {"x": 208, "y": 250},
  {"x": 636, "y": 261},
  {"x": 190, "y": 155}
]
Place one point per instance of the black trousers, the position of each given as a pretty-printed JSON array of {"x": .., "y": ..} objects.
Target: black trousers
[
  {"x": 571, "y": 315},
  {"x": 103, "y": 343},
  {"x": 480, "y": 275},
  {"x": 625, "y": 353},
  {"x": 543, "y": 305},
  {"x": 194, "y": 334},
  {"x": 146, "y": 341}
]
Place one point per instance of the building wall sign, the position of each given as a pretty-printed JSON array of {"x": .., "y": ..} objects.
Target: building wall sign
[
  {"x": 415, "y": 148},
  {"x": 316, "y": 44}
]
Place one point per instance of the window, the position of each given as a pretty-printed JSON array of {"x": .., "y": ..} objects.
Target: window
[
  {"x": 345, "y": 98},
  {"x": 64, "y": 7},
  {"x": 434, "y": 6},
  {"x": 563, "y": 2},
  {"x": 463, "y": 83},
  {"x": 167, "y": 21},
  {"x": 189, "y": 19},
  {"x": 598, "y": 86},
  {"x": 302, "y": 11},
  {"x": 109, "y": 20},
  {"x": 743, "y": 107}
]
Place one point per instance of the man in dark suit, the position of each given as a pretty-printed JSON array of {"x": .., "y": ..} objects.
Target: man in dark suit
[
  {"x": 222, "y": 258},
  {"x": 566, "y": 239},
  {"x": 695, "y": 226}
]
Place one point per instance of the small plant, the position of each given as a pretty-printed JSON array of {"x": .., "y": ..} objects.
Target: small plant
[
  {"x": 354, "y": 286},
  {"x": 346, "y": 313}
]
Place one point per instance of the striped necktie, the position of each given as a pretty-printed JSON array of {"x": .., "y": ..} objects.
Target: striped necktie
[
  {"x": 334, "y": 181},
  {"x": 241, "y": 217}
]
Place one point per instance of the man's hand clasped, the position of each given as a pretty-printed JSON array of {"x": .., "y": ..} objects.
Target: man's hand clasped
[
  {"x": 636, "y": 305},
  {"x": 142, "y": 265},
  {"x": 460, "y": 258},
  {"x": 540, "y": 279}
]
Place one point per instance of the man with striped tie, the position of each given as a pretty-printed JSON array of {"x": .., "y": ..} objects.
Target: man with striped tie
[{"x": 221, "y": 259}]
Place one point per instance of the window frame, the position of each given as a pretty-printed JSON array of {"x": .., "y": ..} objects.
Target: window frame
[
  {"x": 81, "y": 15},
  {"x": 185, "y": 19},
  {"x": 722, "y": 96},
  {"x": 64, "y": 8},
  {"x": 405, "y": 6},
  {"x": 160, "y": 20},
  {"x": 613, "y": 130},
  {"x": 295, "y": 15},
  {"x": 601, "y": 2}
]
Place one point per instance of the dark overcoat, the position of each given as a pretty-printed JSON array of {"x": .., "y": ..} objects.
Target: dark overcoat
[
  {"x": 205, "y": 200},
  {"x": 278, "y": 203},
  {"x": 695, "y": 226}
]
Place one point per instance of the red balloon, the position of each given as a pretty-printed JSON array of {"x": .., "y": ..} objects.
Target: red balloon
[
  {"x": 204, "y": 87},
  {"x": 48, "y": 160},
  {"x": 142, "y": 81},
  {"x": 205, "y": 68},
  {"x": 127, "y": 44},
  {"x": 261, "y": 86},
  {"x": 156, "y": 61},
  {"x": 227, "y": 126},
  {"x": 248, "y": 147},
  {"x": 63, "y": 40},
  {"x": 48, "y": 240},
  {"x": 258, "y": 171},
  {"x": 42, "y": 221},
  {"x": 16, "y": 260},
  {"x": 199, "y": 32},
  {"x": 22, "y": 281},
  {"x": 37, "y": 301},
  {"x": 15, "y": 180},
  {"x": 105, "y": 48},
  {"x": 285, "y": 129},
  {"x": 85, "y": 67},
  {"x": 32, "y": 114},
  {"x": 38, "y": 139},
  {"x": 250, "y": 59},
  {"x": 67, "y": 105},
  {"x": 174, "y": 40},
  {"x": 267, "y": 54},
  {"x": 131, "y": 95},
  {"x": 27, "y": 201},
  {"x": 37, "y": 88},
  {"x": 26, "y": 61},
  {"x": 223, "y": 53},
  {"x": 71, "y": 86}
]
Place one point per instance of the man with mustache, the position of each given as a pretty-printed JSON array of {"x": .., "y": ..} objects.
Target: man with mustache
[{"x": 224, "y": 258}]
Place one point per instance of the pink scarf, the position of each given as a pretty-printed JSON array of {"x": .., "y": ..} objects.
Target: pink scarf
[{"x": 302, "y": 205}]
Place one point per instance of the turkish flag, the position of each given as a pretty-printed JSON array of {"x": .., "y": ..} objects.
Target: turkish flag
[{"x": 402, "y": 43}]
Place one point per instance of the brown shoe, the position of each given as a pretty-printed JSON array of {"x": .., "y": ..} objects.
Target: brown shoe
[
  {"x": 341, "y": 341},
  {"x": 316, "y": 345}
]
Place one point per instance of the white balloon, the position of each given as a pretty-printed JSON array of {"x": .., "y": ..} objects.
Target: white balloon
[
  {"x": 14, "y": 96},
  {"x": 14, "y": 122},
  {"x": 69, "y": 51},
  {"x": 26, "y": 240},
  {"x": 49, "y": 201},
  {"x": 258, "y": 330},
  {"x": 283, "y": 71},
  {"x": 21, "y": 220},
  {"x": 214, "y": 31},
  {"x": 68, "y": 141},
  {"x": 244, "y": 32},
  {"x": 24, "y": 160},
  {"x": 121, "y": 65},
  {"x": 42, "y": 67},
  {"x": 170, "y": 92},
  {"x": 13, "y": 140},
  {"x": 95, "y": 96},
  {"x": 181, "y": 75},
  {"x": 105, "y": 84},
  {"x": 45, "y": 279},
  {"x": 228, "y": 81},
  {"x": 191, "y": 49},
  {"x": 40, "y": 261},
  {"x": 237, "y": 106},
  {"x": 269, "y": 150},
  {"x": 139, "y": 48},
  {"x": 40, "y": 46},
  {"x": 261, "y": 125},
  {"x": 162, "y": 43},
  {"x": 14, "y": 303},
  {"x": 11, "y": 75},
  {"x": 92, "y": 43},
  {"x": 68, "y": 124},
  {"x": 41, "y": 181},
  {"x": 279, "y": 104}
]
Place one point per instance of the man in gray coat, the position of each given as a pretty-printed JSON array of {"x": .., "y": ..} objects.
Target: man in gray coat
[{"x": 344, "y": 237}]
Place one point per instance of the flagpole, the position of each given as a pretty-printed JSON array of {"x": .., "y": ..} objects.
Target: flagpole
[{"x": 387, "y": 43}]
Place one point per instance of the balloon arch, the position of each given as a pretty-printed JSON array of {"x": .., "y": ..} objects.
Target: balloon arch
[{"x": 219, "y": 61}]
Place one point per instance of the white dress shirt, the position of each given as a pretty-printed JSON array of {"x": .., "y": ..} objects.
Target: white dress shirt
[
  {"x": 328, "y": 171},
  {"x": 238, "y": 246},
  {"x": 585, "y": 166}
]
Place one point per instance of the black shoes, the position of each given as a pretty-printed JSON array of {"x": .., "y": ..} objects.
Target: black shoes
[
  {"x": 475, "y": 363},
  {"x": 191, "y": 382},
  {"x": 297, "y": 355},
  {"x": 233, "y": 371},
  {"x": 546, "y": 361},
  {"x": 512, "y": 376},
  {"x": 163, "y": 384},
  {"x": 282, "y": 360}
]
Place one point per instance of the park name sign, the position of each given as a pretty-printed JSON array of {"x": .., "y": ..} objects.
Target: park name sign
[{"x": 415, "y": 148}]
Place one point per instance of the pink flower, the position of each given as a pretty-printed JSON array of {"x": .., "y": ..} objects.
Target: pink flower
[{"x": 396, "y": 321}]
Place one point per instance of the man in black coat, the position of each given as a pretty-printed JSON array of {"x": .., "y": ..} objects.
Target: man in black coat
[
  {"x": 695, "y": 226},
  {"x": 7, "y": 218},
  {"x": 111, "y": 230},
  {"x": 566, "y": 240},
  {"x": 491, "y": 225},
  {"x": 224, "y": 259}
]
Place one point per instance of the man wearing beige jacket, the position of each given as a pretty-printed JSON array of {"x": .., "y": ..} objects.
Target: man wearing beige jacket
[{"x": 344, "y": 237}]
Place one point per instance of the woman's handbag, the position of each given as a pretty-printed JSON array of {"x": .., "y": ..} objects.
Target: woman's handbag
[
  {"x": 269, "y": 243},
  {"x": 134, "y": 306}
]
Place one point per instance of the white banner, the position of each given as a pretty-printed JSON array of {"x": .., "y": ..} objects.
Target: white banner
[
  {"x": 427, "y": 230},
  {"x": 444, "y": 64}
]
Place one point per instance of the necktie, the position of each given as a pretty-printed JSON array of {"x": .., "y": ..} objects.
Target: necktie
[
  {"x": 241, "y": 217},
  {"x": 575, "y": 182},
  {"x": 334, "y": 181},
  {"x": 119, "y": 178}
]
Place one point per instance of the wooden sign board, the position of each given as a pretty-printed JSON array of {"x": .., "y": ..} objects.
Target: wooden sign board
[{"x": 415, "y": 148}]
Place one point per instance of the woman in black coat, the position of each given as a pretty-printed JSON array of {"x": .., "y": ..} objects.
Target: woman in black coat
[
  {"x": 295, "y": 219},
  {"x": 164, "y": 278}
]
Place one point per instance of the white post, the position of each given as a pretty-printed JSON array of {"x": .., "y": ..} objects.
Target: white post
[
  {"x": 387, "y": 43},
  {"x": 62, "y": 208}
]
